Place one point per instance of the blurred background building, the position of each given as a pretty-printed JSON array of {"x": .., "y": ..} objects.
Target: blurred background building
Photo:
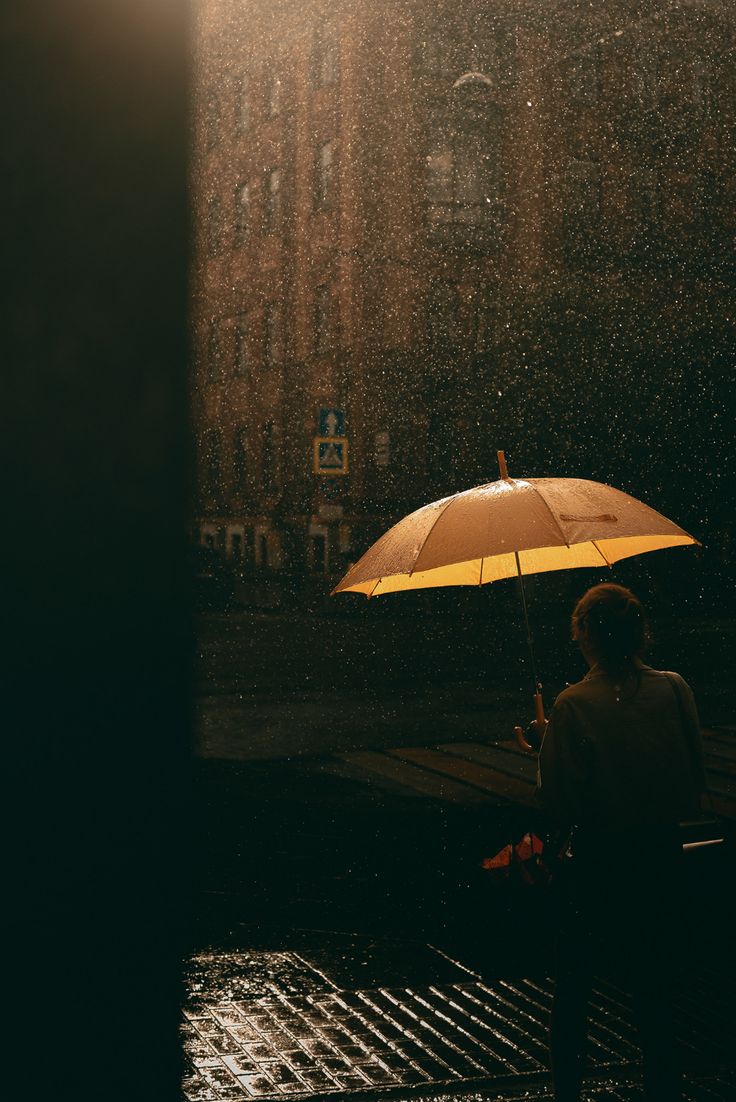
[{"x": 428, "y": 230}]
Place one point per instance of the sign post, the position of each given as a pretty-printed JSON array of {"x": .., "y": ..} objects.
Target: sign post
[
  {"x": 330, "y": 455},
  {"x": 331, "y": 422}
]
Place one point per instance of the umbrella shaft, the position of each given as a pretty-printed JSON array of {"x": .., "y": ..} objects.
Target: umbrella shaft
[{"x": 526, "y": 623}]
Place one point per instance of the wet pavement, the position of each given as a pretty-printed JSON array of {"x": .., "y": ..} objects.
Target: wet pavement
[
  {"x": 346, "y": 941},
  {"x": 281, "y": 684},
  {"x": 349, "y": 943},
  {"x": 265, "y": 1024},
  {"x": 361, "y": 699}
]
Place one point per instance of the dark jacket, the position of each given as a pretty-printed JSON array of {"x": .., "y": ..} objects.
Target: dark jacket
[{"x": 622, "y": 754}]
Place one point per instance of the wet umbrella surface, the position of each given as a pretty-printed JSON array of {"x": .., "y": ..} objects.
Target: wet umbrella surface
[{"x": 473, "y": 537}]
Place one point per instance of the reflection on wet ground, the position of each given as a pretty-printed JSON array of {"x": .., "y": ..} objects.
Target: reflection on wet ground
[{"x": 261, "y": 1024}]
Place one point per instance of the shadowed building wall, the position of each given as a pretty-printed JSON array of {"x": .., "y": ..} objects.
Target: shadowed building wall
[{"x": 481, "y": 209}]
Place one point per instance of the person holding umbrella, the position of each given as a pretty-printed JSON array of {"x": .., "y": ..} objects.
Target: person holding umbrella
[
  {"x": 620, "y": 765},
  {"x": 620, "y": 760}
]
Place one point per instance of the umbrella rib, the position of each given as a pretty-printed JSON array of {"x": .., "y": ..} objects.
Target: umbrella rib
[
  {"x": 375, "y": 587},
  {"x": 601, "y": 553},
  {"x": 431, "y": 530}
]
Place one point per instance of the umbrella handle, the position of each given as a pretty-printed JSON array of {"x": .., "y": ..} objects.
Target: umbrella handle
[
  {"x": 541, "y": 724},
  {"x": 539, "y": 708}
]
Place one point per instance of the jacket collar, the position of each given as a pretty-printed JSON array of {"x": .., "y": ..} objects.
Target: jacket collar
[{"x": 596, "y": 670}]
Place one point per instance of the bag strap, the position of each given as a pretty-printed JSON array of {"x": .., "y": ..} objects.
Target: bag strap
[{"x": 690, "y": 735}]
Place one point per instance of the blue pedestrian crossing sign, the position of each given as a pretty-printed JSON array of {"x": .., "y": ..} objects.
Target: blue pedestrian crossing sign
[
  {"x": 330, "y": 455},
  {"x": 331, "y": 422}
]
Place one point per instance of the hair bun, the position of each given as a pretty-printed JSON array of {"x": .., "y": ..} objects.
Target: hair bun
[{"x": 611, "y": 620}]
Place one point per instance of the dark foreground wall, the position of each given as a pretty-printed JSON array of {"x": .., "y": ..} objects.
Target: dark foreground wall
[{"x": 94, "y": 471}]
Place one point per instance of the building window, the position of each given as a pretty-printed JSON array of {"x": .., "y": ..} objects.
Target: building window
[
  {"x": 474, "y": 195},
  {"x": 323, "y": 183},
  {"x": 214, "y": 350},
  {"x": 431, "y": 52},
  {"x": 439, "y": 185},
  {"x": 236, "y": 547},
  {"x": 492, "y": 49},
  {"x": 269, "y": 458},
  {"x": 442, "y": 315},
  {"x": 214, "y": 226},
  {"x": 583, "y": 190},
  {"x": 583, "y": 77},
  {"x": 244, "y": 105},
  {"x": 273, "y": 201},
  {"x": 459, "y": 184},
  {"x": 646, "y": 73},
  {"x": 701, "y": 85},
  {"x": 263, "y": 560},
  {"x": 324, "y": 56},
  {"x": 213, "y": 459},
  {"x": 324, "y": 319},
  {"x": 242, "y": 329},
  {"x": 441, "y": 448},
  {"x": 240, "y": 459},
  {"x": 647, "y": 199},
  {"x": 273, "y": 93},
  {"x": 242, "y": 215},
  {"x": 582, "y": 201},
  {"x": 319, "y": 549},
  {"x": 273, "y": 332},
  {"x": 483, "y": 320}
]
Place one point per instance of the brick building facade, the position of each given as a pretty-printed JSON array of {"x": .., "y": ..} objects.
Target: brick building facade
[{"x": 417, "y": 222}]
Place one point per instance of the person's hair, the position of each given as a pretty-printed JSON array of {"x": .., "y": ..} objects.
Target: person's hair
[{"x": 611, "y": 621}]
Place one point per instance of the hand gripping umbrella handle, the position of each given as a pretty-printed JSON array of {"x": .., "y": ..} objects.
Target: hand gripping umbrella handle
[{"x": 541, "y": 723}]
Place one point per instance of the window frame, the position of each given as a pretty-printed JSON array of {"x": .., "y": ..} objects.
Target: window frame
[
  {"x": 241, "y": 350},
  {"x": 274, "y": 200},
  {"x": 324, "y": 175},
  {"x": 214, "y": 226},
  {"x": 324, "y": 327},
  {"x": 583, "y": 78},
  {"x": 442, "y": 314},
  {"x": 646, "y": 73},
  {"x": 325, "y": 59},
  {"x": 245, "y": 104},
  {"x": 213, "y": 461},
  {"x": 274, "y": 93},
  {"x": 243, "y": 214},
  {"x": 273, "y": 333},
  {"x": 240, "y": 459},
  {"x": 445, "y": 200},
  {"x": 269, "y": 458}
]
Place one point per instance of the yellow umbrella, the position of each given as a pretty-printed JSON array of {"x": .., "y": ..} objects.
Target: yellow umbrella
[{"x": 510, "y": 528}]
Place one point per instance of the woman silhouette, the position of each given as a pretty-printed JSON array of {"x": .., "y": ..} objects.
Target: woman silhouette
[{"x": 620, "y": 764}]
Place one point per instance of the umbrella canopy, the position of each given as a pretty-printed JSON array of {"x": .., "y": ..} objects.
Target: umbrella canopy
[{"x": 509, "y": 527}]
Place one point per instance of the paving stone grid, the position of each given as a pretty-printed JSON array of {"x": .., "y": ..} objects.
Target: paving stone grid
[{"x": 394, "y": 1039}]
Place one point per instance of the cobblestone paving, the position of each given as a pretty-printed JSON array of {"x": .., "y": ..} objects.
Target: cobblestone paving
[
  {"x": 295, "y": 1041},
  {"x": 698, "y": 1088}
]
